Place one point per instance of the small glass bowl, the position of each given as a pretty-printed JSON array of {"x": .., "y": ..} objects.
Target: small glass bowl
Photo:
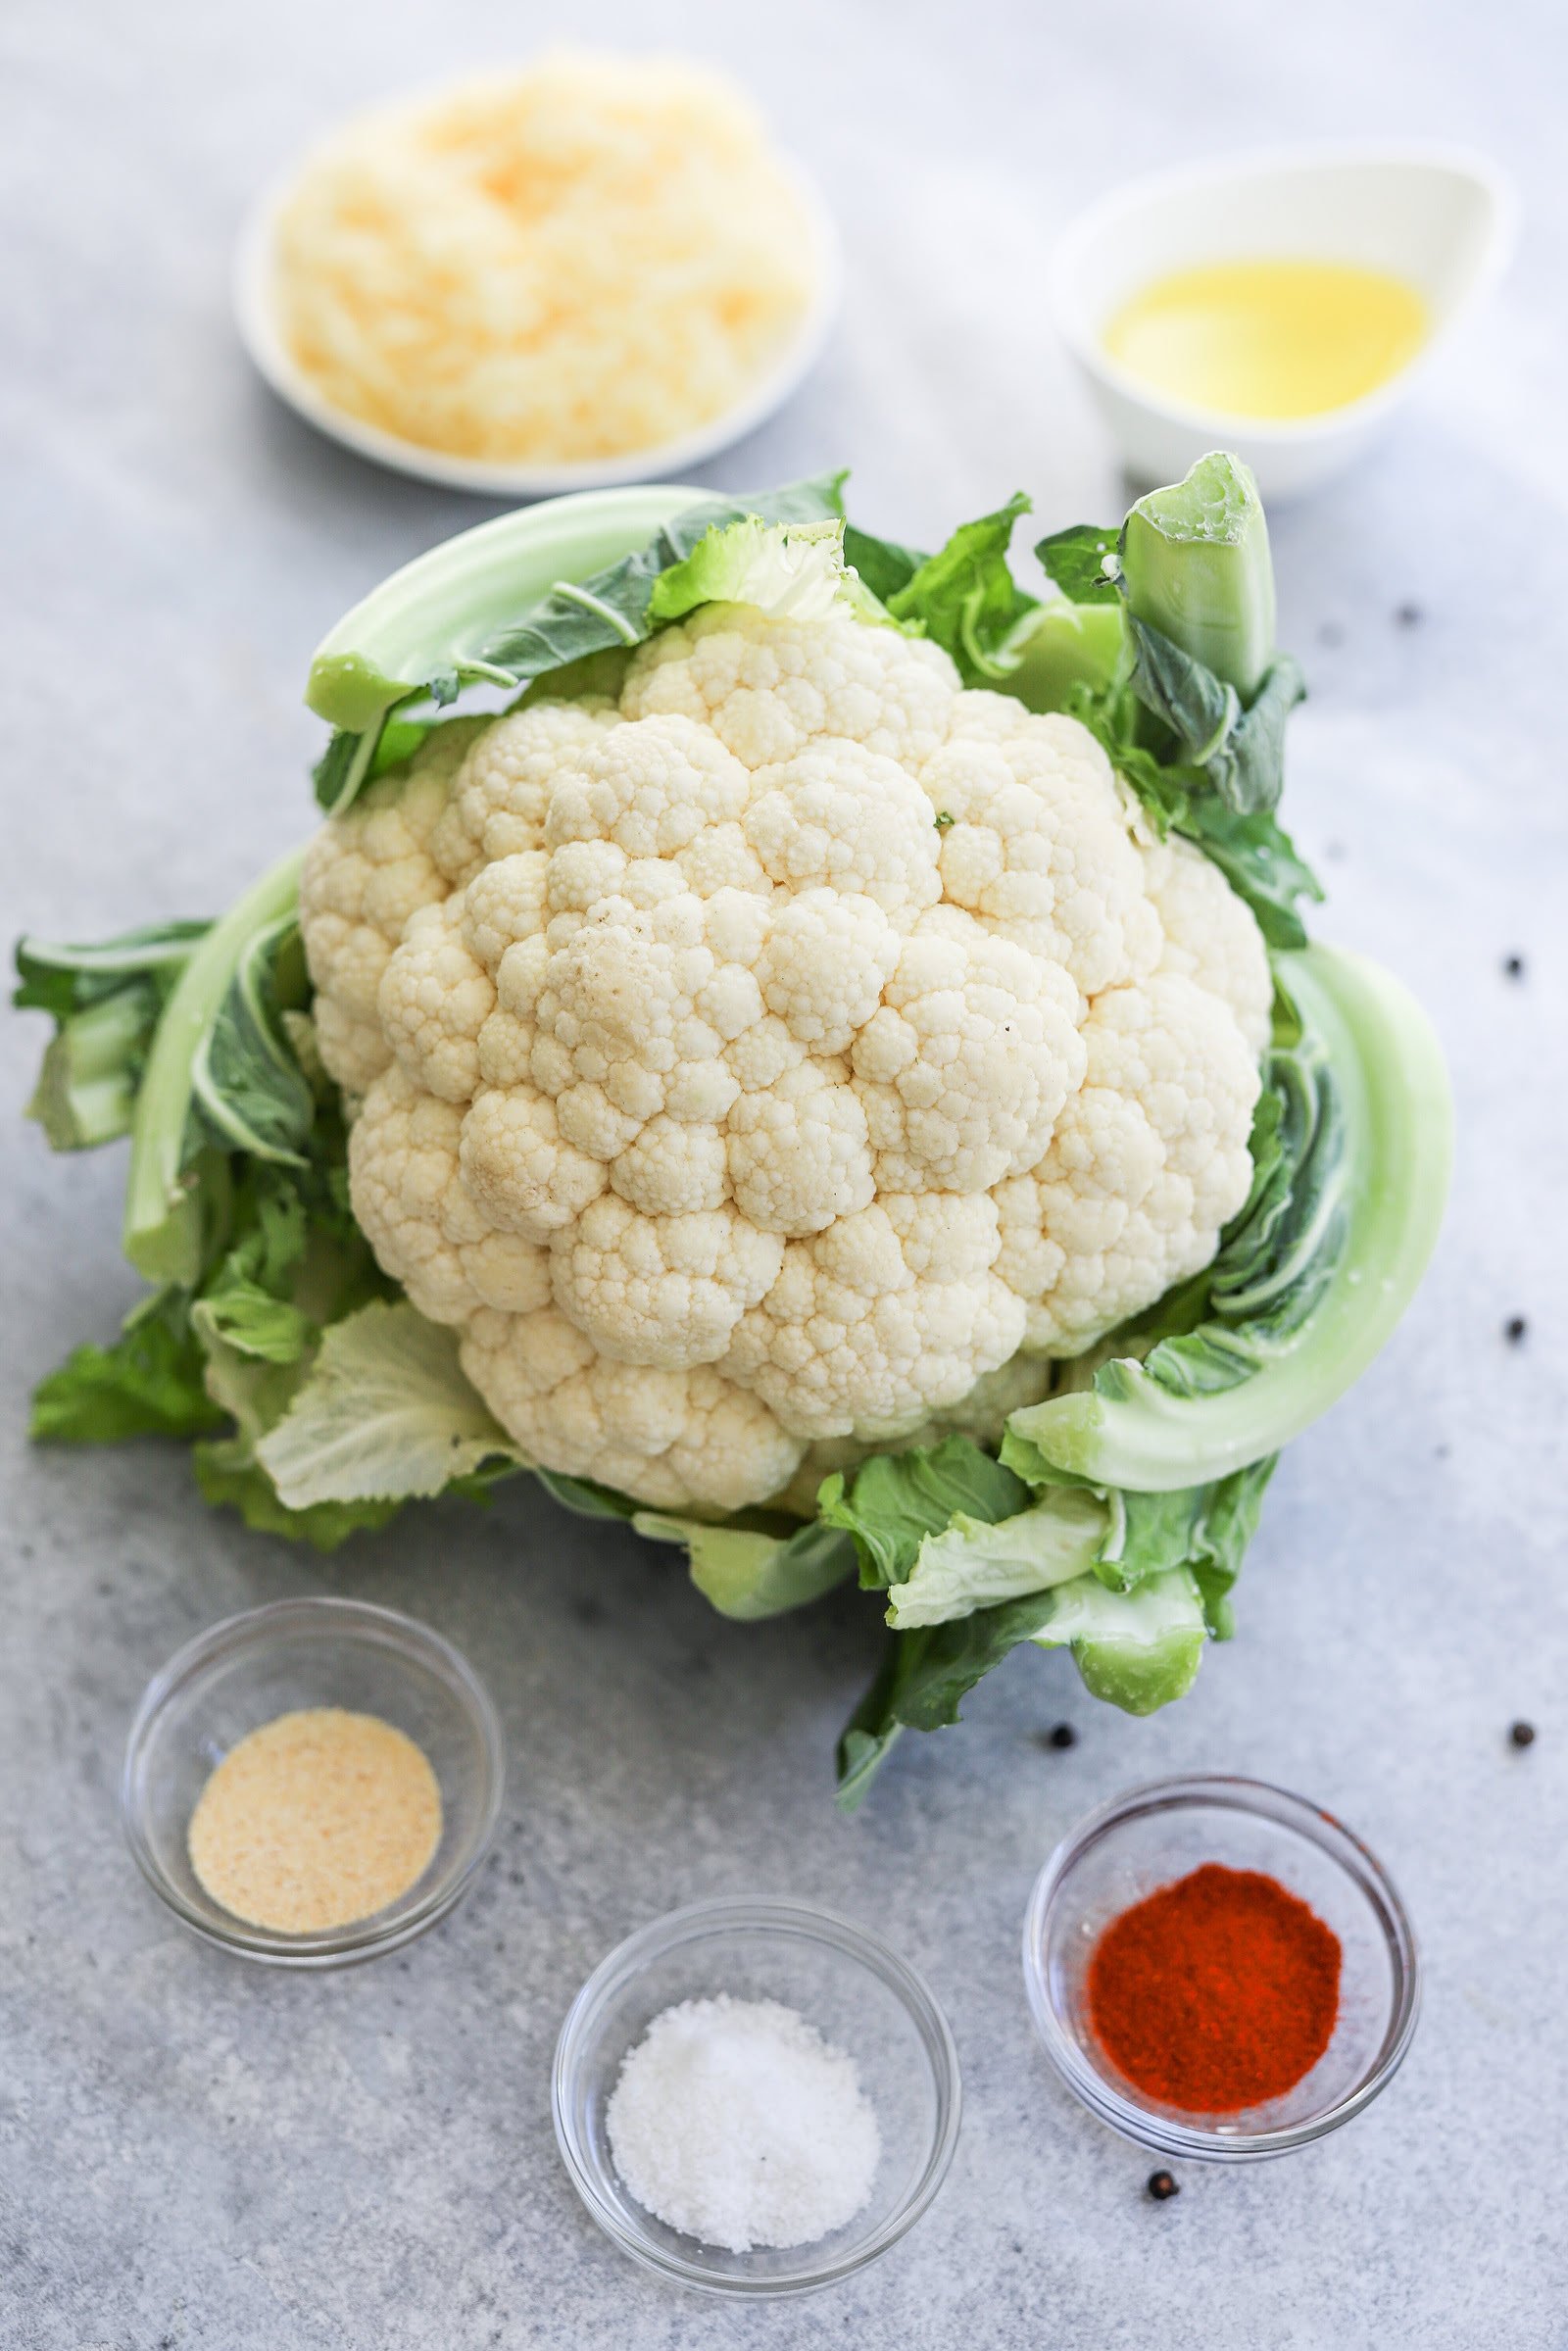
[
  {"x": 858, "y": 1994},
  {"x": 1154, "y": 1834},
  {"x": 270, "y": 1661}
]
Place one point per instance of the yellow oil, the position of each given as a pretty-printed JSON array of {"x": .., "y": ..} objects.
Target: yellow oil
[{"x": 1269, "y": 338}]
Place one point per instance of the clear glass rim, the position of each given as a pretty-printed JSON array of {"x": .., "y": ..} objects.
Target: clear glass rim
[
  {"x": 317, "y": 1613},
  {"x": 805, "y": 1923},
  {"x": 1261, "y": 1799}
]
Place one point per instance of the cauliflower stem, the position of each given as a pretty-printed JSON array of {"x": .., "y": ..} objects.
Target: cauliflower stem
[{"x": 831, "y": 1075}]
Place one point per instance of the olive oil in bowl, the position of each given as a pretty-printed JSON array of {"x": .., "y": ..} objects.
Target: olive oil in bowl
[
  {"x": 1269, "y": 338},
  {"x": 1282, "y": 303}
]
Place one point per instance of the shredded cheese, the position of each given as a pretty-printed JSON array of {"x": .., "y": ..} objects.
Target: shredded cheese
[{"x": 586, "y": 259}]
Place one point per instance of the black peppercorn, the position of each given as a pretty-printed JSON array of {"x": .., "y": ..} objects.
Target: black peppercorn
[
  {"x": 1523, "y": 1735},
  {"x": 1162, "y": 2187},
  {"x": 1513, "y": 967},
  {"x": 1063, "y": 1736},
  {"x": 1514, "y": 1329}
]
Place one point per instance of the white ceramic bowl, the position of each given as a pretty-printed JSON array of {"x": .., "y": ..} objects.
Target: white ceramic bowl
[
  {"x": 1441, "y": 217},
  {"x": 256, "y": 317}
]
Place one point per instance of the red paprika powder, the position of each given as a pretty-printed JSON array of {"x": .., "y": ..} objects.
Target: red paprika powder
[{"x": 1215, "y": 1992}]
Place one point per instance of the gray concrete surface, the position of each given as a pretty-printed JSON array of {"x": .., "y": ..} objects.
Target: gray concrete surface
[{"x": 194, "y": 2153}]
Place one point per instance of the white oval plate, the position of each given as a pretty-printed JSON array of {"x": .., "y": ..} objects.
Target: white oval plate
[{"x": 259, "y": 332}]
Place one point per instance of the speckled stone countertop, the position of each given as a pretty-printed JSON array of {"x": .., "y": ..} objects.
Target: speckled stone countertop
[{"x": 197, "y": 2153}]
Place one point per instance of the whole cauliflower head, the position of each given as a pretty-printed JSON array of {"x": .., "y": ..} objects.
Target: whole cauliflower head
[{"x": 790, "y": 1054}]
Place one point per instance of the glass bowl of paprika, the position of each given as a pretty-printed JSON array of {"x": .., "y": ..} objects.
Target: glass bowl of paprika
[{"x": 1219, "y": 1969}]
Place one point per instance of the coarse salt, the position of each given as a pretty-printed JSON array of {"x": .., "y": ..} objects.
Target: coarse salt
[{"x": 736, "y": 2123}]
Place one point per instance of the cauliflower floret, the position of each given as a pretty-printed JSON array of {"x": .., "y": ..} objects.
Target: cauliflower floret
[
  {"x": 664, "y": 1290},
  {"x": 364, "y": 875},
  {"x": 964, "y": 1069},
  {"x": 799, "y": 1152},
  {"x": 622, "y": 1020},
  {"x": 501, "y": 791},
  {"x": 729, "y": 1104},
  {"x": 434, "y": 1000},
  {"x": 519, "y": 1168},
  {"x": 851, "y": 820},
  {"x": 504, "y": 905},
  {"x": 984, "y": 1412},
  {"x": 1210, "y": 935},
  {"x": 1039, "y": 846},
  {"x": 421, "y": 1218},
  {"x": 770, "y": 688},
  {"x": 828, "y": 956},
  {"x": 673, "y": 1168},
  {"x": 1148, "y": 1160},
  {"x": 889, "y": 1314},
  {"x": 730, "y": 1444},
  {"x": 651, "y": 791},
  {"x": 665, "y": 1436}
]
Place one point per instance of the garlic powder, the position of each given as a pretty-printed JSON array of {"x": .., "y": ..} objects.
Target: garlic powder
[{"x": 316, "y": 1820}]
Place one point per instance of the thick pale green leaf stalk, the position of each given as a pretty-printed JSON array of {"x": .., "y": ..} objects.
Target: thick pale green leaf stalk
[
  {"x": 163, "y": 1227},
  {"x": 1163, "y": 644},
  {"x": 247, "y": 1087},
  {"x": 87, "y": 1090},
  {"x": 975, "y": 1564},
  {"x": 1136, "y": 1650},
  {"x": 750, "y": 1574},
  {"x": 105, "y": 1000},
  {"x": 1066, "y": 646},
  {"x": 446, "y": 606},
  {"x": 1196, "y": 566}
]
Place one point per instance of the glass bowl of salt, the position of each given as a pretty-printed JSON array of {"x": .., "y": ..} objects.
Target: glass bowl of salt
[{"x": 756, "y": 2098}]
